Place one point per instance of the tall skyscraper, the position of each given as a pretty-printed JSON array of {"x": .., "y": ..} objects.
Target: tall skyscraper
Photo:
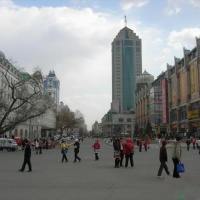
[{"x": 126, "y": 65}]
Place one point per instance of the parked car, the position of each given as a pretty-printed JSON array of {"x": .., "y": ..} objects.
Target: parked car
[{"x": 8, "y": 144}]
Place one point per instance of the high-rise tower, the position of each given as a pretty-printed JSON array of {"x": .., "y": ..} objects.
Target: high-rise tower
[{"x": 126, "y": 65}]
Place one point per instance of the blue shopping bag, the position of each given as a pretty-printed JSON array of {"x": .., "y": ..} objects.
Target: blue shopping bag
[{"x": 180, "y": 168}]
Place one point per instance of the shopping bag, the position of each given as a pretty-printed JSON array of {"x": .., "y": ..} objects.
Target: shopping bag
[{"x": 180, "y": 168}]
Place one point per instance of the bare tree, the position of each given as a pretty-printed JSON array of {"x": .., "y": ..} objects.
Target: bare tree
[
  {"x": 66, "y": 119},
  {"x": 22, "y": 99}
]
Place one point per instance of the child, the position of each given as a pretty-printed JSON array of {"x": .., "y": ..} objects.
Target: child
[{"x": 163, "y": 159}]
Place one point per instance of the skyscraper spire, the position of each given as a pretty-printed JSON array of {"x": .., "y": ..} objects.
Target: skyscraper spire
[{"x": 125, "y": 21}]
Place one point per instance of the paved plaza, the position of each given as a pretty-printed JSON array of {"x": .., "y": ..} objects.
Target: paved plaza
[{"x": 97, "y": 180}]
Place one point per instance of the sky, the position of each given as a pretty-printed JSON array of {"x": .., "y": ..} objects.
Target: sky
[{"x": 73, "y": 38}]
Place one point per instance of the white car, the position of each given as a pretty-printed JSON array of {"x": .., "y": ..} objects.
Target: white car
[{"x": 8, "y": 144}]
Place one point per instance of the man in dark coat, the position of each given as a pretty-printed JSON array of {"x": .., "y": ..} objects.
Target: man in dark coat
[
  {"x": 27, "y": 157},
  {"x": 163, "y": 159},
  {"x": 76, "y": 150}
]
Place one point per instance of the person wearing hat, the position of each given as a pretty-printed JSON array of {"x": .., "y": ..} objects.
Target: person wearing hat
[
  {"x": 163, "y": 159},
  {"x": 27, "y": 157},
  {"x": 76, "y": 150},
  {"x": 176, "y": 155}
]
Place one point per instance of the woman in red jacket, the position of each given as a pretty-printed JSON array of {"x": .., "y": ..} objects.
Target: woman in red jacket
[
  {"x": 96, "y": 146},
  {"x": 128, "y": 151}
]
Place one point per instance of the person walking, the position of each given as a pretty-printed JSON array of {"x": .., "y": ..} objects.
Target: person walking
[
  {"x": 122, "y": 144},
  {"x": 163, "y": 159},
  {"x": 140, "y": 145},
  {"x": 176, "y": 155},
  {"x": 64, "y": 150},
  {"x": 27, "y": 157},
  {"x": 116, "y": 146},
  {"x": 129, "y": 149},
  {"x": 188, "y": 141},
  {"x": 36, "y": 146},
  {"x": 40, "y": 146},
  {"x": 193, "y": 142},
  {"x": 145, "y": 145},
  {"x": 96, "y": 146},
  {"x": 76, "y": 150}
]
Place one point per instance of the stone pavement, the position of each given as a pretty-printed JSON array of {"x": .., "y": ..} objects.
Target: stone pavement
[{"x": 96, "y": 180}]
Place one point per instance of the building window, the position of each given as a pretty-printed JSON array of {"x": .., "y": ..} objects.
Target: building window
[
  {"x": 129, "y": 120},
  {"x": 137, "y": 43},
  {"x": 137, "y": 49},
  {"x": 117, "y": 43},
  {"x": 121, "y": 119}
]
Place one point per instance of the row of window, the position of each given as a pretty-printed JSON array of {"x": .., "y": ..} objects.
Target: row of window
[
  {"x": 122, "y": 120},
  {"x": 127, "y": 43}
]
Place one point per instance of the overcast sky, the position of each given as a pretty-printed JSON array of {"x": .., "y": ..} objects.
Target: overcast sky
[{"x": 73, "y": 38}]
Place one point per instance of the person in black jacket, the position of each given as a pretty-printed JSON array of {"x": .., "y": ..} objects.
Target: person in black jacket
[
  {"x": 116, "y": 146},
  {"x": 163, "y": 159},
  {"x": 27, "y": 157},
  {"x": 76, "y": 150}
]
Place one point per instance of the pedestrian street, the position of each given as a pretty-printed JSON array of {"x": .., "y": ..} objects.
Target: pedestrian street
[{"x": 96, "y": 180}]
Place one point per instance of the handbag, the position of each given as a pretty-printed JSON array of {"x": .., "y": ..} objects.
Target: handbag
[
  {"x": 180, "y": 167},
  {"x": 64, "y": 150}
]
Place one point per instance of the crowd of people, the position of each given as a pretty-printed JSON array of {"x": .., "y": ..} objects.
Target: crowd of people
[{"x": 123, "y": 152}]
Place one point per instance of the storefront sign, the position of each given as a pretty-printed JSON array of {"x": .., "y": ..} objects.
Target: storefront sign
[{"x": 193, "y": 114}]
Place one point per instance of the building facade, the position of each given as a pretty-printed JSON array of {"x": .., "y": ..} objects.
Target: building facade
[
  {"x": 52, "y": 86},
  {"x": 33, "y": 128},
  {"x": 174, "y": 98},
  {"x": 142, "y": 101},
  {"x": 184, "y": 93},
  {"x": 126, "y": 65}
]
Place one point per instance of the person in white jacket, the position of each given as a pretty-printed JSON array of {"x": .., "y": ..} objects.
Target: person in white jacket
[{"x": 176, "y": 155}]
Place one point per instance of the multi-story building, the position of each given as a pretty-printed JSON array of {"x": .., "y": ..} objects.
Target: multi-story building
[
  {"x": 126, "y": 65},
  {"x": 174, "y": 97},
  {"x": 37, "y": 127},
  {"x": 142, "y": 101},
  {"x": 184, "y": 93},
  {"x": 97, "y": 129},
  {"x": 52, "y": 86}
]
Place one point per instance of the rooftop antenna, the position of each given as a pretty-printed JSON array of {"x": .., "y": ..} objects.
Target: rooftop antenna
[{"x": 125, "y": 21}]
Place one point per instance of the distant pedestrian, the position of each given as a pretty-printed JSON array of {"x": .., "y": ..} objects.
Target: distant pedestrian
[
  {"x": 96, "y": 146},
  {"x": 145, "y": 144},
  {"x": 27, "y": 157},
  {"x": 188, "y": 141},
  {"x": 129, "y": 150},
  {"x": 176, "y": 155},
  {"x": 193, "y": 142},
  {"x": 140, "y": 145},
  {"x": 47, "y": 144},
  {"x": 40, "y": 146},
  {"x": 116, "y": 146},
  {"x": 148, "y": 143},
  {"x": 36, "y": 146},
  {"x": 163, "y": 159},
  {"x": 76, "y": 150},
  {"x": 122, "y": 144}
]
